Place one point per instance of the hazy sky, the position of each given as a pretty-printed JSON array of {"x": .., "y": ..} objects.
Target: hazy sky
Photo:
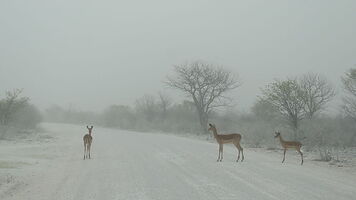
[{"x": 95, "y": 53}]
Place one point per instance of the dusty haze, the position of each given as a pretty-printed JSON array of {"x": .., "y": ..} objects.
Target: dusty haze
[{"x": 95, "y": 53}]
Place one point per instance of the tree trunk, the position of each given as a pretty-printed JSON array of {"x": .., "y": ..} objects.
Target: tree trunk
[
  {"x": 295, "y": 128},
  {"x": 203, "y": 119}
]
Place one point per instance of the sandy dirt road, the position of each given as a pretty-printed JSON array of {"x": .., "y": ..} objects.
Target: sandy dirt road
[{"x": 130, "y": 165}]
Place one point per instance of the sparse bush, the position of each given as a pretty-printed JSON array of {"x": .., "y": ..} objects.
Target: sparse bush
[{"x": 10, "y": 105}]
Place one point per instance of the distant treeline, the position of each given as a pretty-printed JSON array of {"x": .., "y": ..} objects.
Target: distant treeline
[{"x": 257, "y": 126}]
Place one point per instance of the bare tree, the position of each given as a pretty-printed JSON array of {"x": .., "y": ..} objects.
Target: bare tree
[
  {"x": 206, "y": 84},
  {"x": 164, "y": 103},
  {"x": 318, "y": 92},
  {"x": 349, "y": 81},
  {"x": 288, "y": 97}
]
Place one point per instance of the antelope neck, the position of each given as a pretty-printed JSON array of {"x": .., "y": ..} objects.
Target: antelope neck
[
  {"x": 215, "y": 132},
  {"x": 280, "y": 139}
]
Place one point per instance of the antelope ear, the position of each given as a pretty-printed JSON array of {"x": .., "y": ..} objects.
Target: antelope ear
[
  {"x": 92, "y": 127},
  {"x": 210, "y": 125},
  {"x": 87, "y": 127}
]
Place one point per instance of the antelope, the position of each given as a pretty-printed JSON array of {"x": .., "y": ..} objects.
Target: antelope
[
  {"x": 87, "y": 142},
  {"x": 234, "y": 138},
  {"x": 289, "y": 145}
]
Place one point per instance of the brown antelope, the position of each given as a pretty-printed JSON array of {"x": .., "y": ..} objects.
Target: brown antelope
[
  {"x": 234, "y": 138},
  {"x": 87, "y": 142},
  {"x": 289, "y": 145}
]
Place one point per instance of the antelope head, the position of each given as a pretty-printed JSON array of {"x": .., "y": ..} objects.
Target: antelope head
[
  {"x": 90, "y": 128},
  {"x": 277, "y": 134},
  {"x": 211, "y": 127}
]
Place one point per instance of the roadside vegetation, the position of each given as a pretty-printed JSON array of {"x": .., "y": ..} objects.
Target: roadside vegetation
[{"x": 17, "y": 115}]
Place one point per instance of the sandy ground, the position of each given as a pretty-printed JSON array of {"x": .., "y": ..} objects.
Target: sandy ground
[{"x": 131, "y": 165}]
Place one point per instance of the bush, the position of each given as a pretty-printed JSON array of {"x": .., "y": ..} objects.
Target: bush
[
  {"x": 17, "y": 114},
  {"x": 27, "y": 117}
]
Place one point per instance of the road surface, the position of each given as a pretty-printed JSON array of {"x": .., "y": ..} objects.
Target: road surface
[{"x": 142, "y": 166}]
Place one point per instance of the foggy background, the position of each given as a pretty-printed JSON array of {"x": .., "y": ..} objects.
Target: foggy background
[{"x": 91, "y": 54}]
